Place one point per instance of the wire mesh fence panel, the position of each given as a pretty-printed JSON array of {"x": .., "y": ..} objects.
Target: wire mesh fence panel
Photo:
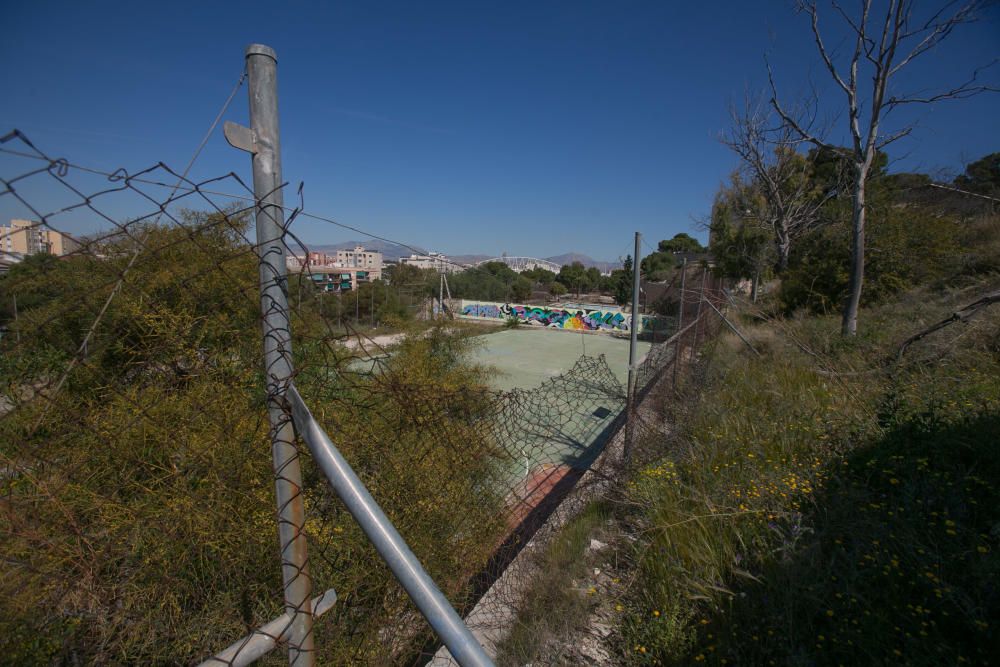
[{"x": 139, "y": 521}]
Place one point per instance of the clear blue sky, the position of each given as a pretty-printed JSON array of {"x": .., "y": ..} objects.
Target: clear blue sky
[{"x": 528, "y": 127}]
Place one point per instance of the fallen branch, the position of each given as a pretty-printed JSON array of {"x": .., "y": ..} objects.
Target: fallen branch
[{"x": 958, "y": 316}]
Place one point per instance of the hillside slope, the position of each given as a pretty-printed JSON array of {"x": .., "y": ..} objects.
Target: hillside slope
[{"x": 819, "y": 504}]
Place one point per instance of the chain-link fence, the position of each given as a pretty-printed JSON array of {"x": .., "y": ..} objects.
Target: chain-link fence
[{"x": 142, "y": 480}]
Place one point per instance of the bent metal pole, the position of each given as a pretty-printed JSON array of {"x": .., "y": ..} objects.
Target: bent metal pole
[{"x": 262, "y": 141}]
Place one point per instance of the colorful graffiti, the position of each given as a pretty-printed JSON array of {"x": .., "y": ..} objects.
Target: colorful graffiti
[
  {"x": 489, "y": 310},
  {"x": 558, "y": 318}
]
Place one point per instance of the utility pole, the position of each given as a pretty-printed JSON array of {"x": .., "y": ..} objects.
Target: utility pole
[
  {"x": 633, "y": 341},
  {"x": 680, "y": 318},
  {"x": 261, "y": 139},
  {"x": 17, "y": 329}
]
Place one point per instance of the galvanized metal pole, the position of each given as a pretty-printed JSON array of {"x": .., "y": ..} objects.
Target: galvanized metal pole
[
  {"x": 697, "y": 313},
  {"x": 262, "y": 75},
  {"x": 390, "y": 545},
  {"x": 678, "y": 347},
  {"x": 633, "y": 343}
]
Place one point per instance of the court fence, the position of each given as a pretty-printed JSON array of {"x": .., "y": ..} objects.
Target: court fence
[{"x": 147, "y": 455}]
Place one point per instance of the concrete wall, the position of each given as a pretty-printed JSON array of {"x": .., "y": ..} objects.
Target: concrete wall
[{"x": 609, "y": 319}]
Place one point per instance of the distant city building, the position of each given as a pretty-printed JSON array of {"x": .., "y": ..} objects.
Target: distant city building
[
  {"x": 434, "y": 260},
  {"x": 522, "y": 264},
  {"x": 27, "y": 238},
  {"x": 360, "y": 258},
  {"x": 341, "y": 272}
]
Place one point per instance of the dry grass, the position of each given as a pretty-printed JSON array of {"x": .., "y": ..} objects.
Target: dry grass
[{"x": 825, "y": 507}]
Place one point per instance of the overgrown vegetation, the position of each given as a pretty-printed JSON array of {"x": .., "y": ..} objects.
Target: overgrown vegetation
[
  {"x": 138, "y": 517},
  {"x": 828, "y": 502},
  {"x": 823, "y": 505},
  {"x": 917, "y": 235}
]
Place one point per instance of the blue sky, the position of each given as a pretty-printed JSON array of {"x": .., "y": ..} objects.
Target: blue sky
[{"x": 529, "y": 128}]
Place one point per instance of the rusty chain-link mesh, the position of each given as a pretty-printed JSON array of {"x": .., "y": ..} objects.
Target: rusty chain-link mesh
[{"x": 138, "y": 517}]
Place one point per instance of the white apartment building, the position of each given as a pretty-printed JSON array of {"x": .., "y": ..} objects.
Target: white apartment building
[
  {"x": 359, "y": 258},
  {"x": 341, "y": 272},
  {"x": 434, "y": 260},
  {"x": 27, "y": 238}
]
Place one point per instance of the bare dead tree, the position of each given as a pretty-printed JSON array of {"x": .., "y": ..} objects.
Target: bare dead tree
[
  {"x": 882, "y": 46},
  {"x": 783, "y": 197}
]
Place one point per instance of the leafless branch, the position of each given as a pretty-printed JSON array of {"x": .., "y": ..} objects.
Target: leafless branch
[
  {"x": 802, "y": 130},
  {"x": 895, "y": 136},
  {"x": 965, "y": 90},
  {"x": 936, "y": 30},
  {"x": 814, "y": 17},
  {"x": 780, "y": 194}
]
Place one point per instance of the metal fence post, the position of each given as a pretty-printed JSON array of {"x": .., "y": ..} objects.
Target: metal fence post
[
  {"x": 678, "y": 347},
  {"x": 262, "y": 140},
  {"x": 633, "y": 340},
  {"x": 697, "y": 313}
]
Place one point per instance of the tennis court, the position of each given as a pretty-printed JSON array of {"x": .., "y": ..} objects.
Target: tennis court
[
  {"x": 526, "y": 356},
  {"x": 560, "y": 419}
]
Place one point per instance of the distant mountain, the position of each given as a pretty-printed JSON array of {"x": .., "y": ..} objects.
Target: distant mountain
[{"x": 570, "y": 257}]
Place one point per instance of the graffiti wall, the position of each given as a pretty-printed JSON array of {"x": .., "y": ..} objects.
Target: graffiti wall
[{"x": 588, "y": 319}]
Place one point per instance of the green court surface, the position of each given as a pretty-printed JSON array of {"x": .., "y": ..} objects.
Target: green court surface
[
  {"x": 562, "y": 422},
  {"x": 525, "y": 357}
]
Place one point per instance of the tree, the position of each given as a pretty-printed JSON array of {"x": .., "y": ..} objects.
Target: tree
[
  {"x": 681, "y": 243},
  {"x": 574, "y": 276},
  {"x": 623, "y": 286},
  {"x": 783, "y": 199},
  {"x": 982, "y": 176},
  {"x": 658, "y": 266},
  {"x": 520, "y": 288},
  {"x": 910, "y": 245},
  {"x": 742, "y": 249},
  {"x": 539, "y": 275},
  {"x": 882, "y": 48},
  {"x": 557, "y": 289},
  {"x": 30, "y": 283},
  {"x": 661, "y": 264}
]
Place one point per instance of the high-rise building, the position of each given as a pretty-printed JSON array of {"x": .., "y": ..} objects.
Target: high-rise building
[{"x": 27, "y": 237}]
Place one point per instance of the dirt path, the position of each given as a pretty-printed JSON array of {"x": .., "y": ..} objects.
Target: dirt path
[{"x": 371, "y": 344}]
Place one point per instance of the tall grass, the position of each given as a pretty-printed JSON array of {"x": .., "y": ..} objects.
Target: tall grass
[
  {"x": 823, "y": 506},
  {"x": 555, "y": 605}
]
